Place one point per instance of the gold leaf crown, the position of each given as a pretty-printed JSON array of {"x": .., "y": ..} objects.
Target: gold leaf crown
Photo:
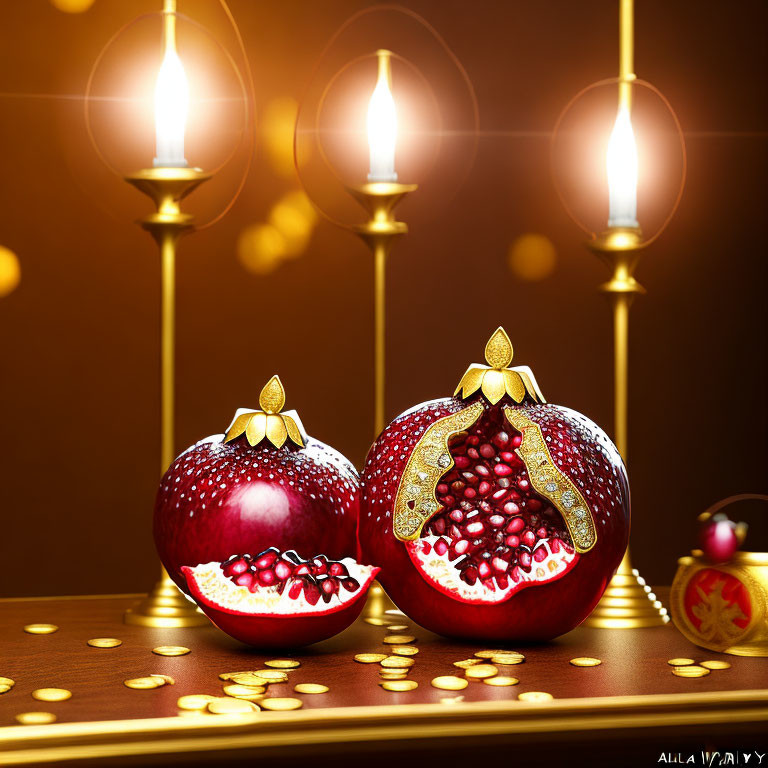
[
  {"x": 268, "y": 423},
  {"x": 497, "y": 379}
]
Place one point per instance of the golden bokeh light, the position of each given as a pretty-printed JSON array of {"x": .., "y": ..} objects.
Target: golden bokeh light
[
  {"x": 10, "y": 271},
  {"x": 532, "y": 257},
  {"x": 261, "y": 248},
  {"x": 72, "y": 6},
  {"x": 278, "y": 123}
]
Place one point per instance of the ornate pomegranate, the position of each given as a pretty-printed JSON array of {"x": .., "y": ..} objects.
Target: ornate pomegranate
[
  {"x": 259, "y": 527},
  {"x": 493, "y": 513}
]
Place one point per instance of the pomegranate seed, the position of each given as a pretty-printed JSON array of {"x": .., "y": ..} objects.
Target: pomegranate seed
[
  {"x": 500, "y": 494},
  {"x": 283, "y": 570},
  {"x": 339, "y": 569},
  {"x": 456, "y": 515},
  {"x": 302, "y": 570},
  {"x": 473, "y": 529},
  {"x": 517, "y": 441},
  {"x": 470, "y": 493},
  {"x": 512, "y": 541},
  {"x": 472, "y": 453},
  {"x": 502, "y": 581},
  {"x": 442, "y": 489},
  {"x": 461, "y": 546},
  {"x": 487, "y": 451},
  {"x": 496, "y": 520},
  {"x": 529, "y": 538},
  {"x": 469, "y": 575},
  {"x": 533, "y": 505},
  {"x": 516, "y": 574},
  {"x": 516, "y": 524},
  {"x": 350, "y": 584},
  {"x": 461, "y": 462},
  {"x": 523, "y": 485},
  {"x": 328, "y": 584},
  {"x": 311, "y": 593},
  {"x": 441, "y": 547},
  {"x": 320, "y": 565},
  {"x": 266, "y": 558},
  {"x": 501, "y": 439},
  {"x": 239, "y": 566},
  {"x": 484, "y": 570},
  {"x": 542, "y": 532},
  {"x": 554, "y": 545},
  {"x": 510, "y": 458},
  {"x": 525, "y": 560},
  {"x": 295, "y": 590},
  {"x": 502, "y": 470},
  {"x": 482, "y": 470},
  {"x": 448, "y": 501},
  {"x": 426, "y": 547},
  {"x": 473, "y": 440},
  {"x": 469, "y": 477},
  {"x": 499, "y": 565},
  {"x": 266, "y": 578},
  {"x": 244, "y": 580},
  {"x": 540, "y": 554},
  {"x": 458, "y": 486},
  {"x": 484, "y": 488},
  {"x": 438, "y": 524}
]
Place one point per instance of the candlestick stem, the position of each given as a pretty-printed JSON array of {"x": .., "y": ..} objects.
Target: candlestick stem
[
  {"x": 380, "y": 253},
  {"x": 165, "y": 606}
]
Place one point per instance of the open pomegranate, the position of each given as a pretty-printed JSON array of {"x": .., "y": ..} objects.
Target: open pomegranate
[
  {"x": 492, "y": 513},
  {"x": 259, "y": 527}
]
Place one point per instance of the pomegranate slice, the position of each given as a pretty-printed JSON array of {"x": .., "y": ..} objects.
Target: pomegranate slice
[
  {"x": 278, "y": 599},
  {"x": 493, "y": 513}
]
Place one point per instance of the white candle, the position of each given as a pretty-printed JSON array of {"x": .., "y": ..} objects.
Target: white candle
[
  {"x": 382, "y": 125},
  {"x": 621, "y": 162},
  {"x": 171, "y": 102}
]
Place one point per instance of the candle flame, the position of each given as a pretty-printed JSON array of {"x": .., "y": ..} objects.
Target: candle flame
[
  {"x": 382, "y": 125},
  {"x": 621, "y": 163}
]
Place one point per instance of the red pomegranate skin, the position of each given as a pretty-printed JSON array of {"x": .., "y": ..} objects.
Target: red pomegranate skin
[
  {"x": 218, "y": 499},
  {"x": 579, "y": 449}
]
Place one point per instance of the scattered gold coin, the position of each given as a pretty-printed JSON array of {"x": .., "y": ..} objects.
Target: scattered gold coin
[
  {"x": 282, "y": 664},
  {"x": 41, "y": 629},
  {"x": 680, "y": 662},
  {"x": 690, "y": 670},
  {"x": 250, "y": 692},
  {"x": 230, "y": 675},
  {"x": 716, "y": 664},
  {"x": 282, "y": 704},
  {"x": 226, "y": 706},
  {"x": 51, "y": 694},
  {"x": 7, "y": 681},
  {"x": 271, "y": 675},
  {"x": 4, "y": 688},
  {"x": 508, "y": 658},
  {"x": 397, "y": 627},
  {"x": 171, "y": 650},
  {"x": 449, "y": 683},
  {"x": 144, "y": 683},
  {"x": 535, "y": 696},
  {"x": 165, "y": 678},
  {"x": 195, "y": 702},
  {"x": 399, "y": 639},
  {"x": 501, "y": 681},
  {"x": 248, "y": 678},
  {"x": 404, "y": 650},
  {"x": 370, "y": 658},
  {"x": 399, "y": 686},
  {"x": 310, "y": 688},
  {"x": 36, "y": 718},
  {"x": 397, "y": 662},
  {"x": 491, "y": 654},
  {"x": 393, "y": 674},
  {"x": 481, "y": 671},
  {"x": 585, "y": 661},
  {"x": 104, "y": 642},
  {"x": 376, "y": 621},
  {"x": 451, "y": 699},
  {"x": 467, "y": 663}
]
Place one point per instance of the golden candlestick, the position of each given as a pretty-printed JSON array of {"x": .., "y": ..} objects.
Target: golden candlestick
[{"x": 628, "y": 602}]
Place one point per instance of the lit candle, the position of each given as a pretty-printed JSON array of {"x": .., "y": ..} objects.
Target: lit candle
[
  {"x": 621, "y": 161},
  {"x": 171, "y": 99},
  {"x": 382, "y": 124}
]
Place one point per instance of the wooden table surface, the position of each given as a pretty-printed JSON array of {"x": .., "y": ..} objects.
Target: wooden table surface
[{"x": 632, "y": 692}]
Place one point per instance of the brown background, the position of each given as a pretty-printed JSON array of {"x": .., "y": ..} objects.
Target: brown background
[{"x": 79, "y": 340}]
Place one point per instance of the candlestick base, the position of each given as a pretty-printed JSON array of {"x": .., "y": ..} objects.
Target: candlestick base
[
  {"x": 165, "y": 606},
  {"x": 627, "y": 603}
]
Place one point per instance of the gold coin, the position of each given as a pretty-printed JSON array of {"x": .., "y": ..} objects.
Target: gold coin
[
  {"x": 226, "y": 706},
  {"x": 7, "y": 681},
  {"x": 399, "y": 686},
  {"x": 310, "y": 688},
  {"x": 491, "y": 654},
  {"x": 250, "y": 692},
  {"x": 370, "y": 658},
  {"x": 36, "y": 718},
  {"x": 585, "y": 661},
  {"x": 535, "y": 696},
  {"x": 165, "y": 678},
  {"x": 397, "y": 662},
  {"x": 680, "y": 662},
  {"x": 282, "y": 664},
  {"x": 376, "y": 621},
  {"x": 508, "y": 659},
  {"x": 393, "y": 674},
  {"x": 716, "y": 664},
  {"x": 41, "y": 629},
  {"x": 144, "y": 683},
  {"x": 481, "y": 671},
  {"x": 282, "y": 704},
  {"x": 467, "y": 663},
  {"x": 230, "y": 675},
  {"x": 451, "y": 699},
  {"x": 104, "y": 642},
  {"x": 449, "y": 683},
  {"x": 195, "y": 701},
  {"x": 171, "y": 650},
  {"x": 690, "y": 670},
  {"x": 4, "y": 688},
  {"x": 404, "y": 650},
  {"x": 397, "y": 627},
  {"x": 501, "y": 681},
  {"x": 271, "y": 675},
  {"x": 248, "y": 678},
  {"x": 399, "y": 639},
  {"x": 51, "y": 694}
]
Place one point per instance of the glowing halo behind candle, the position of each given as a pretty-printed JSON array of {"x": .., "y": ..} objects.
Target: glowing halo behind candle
[{"x": 382, "y": 124}]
